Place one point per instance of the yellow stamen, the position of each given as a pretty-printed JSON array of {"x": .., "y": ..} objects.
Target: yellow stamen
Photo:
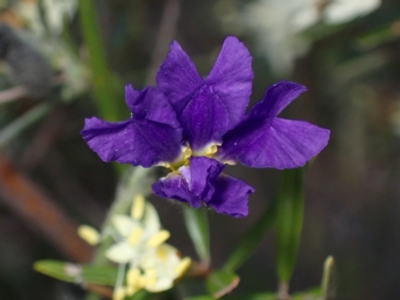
[
  {"x": 138, "y": 206},
  {"x": 164, "y": 164},
  {"x": 182, "y": 267},
  {"x": 119, "y": 294},
  {"x": 150, "y": 278},
  {"x": 208, "y": 150},
  {"x": 211, "y": 150},
  {"x": 187, "y": 153},
  {"x": 89, "y": 234},
  {"x": 135, "y": 235},
  {"x": 161, "y": 253},
  {"x": 159, "y": 238},
  {"x": 133, "y": 280}
]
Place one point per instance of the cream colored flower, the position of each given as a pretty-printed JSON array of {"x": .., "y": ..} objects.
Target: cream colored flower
[{"x": 144, "y": 259}]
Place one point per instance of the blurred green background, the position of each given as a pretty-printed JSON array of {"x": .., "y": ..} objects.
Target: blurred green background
[{"x": 346, "y": 52}]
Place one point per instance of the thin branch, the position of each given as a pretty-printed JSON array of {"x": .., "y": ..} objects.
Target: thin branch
[
  {"x": 40, "y": 212},
  {"x": 13, "y": 94},
  {"x": 283, "y": 291}
]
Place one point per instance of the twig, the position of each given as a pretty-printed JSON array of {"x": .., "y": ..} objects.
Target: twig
[
  {"x": 12, "y": 94},
  {"x": 41, "y": 212},
  {"x": 165, "y": 35},
  {"x": 283, "y": 291}
]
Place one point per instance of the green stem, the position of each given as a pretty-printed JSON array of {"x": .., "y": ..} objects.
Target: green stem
[
  {"x": 197, "y": 225},
  {"x": 102, "y": 78}
]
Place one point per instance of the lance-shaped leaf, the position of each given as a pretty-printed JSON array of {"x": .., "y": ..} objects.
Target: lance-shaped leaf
[
  {"x": 310, "y": 294},
  {"x": 289, "y": 221},
  {"x": 75, "y": 273},
  {"x": 142, "y": 295},
  {"x": 255, "y": 296},
  {"x": 220, "y": 283},
  {"x": 197, "y": 225},
  {"x": 203, "y": 297}
]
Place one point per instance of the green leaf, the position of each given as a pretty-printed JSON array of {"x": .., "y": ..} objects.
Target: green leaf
[
  {"x": 220, "y": 283},
  {"x": 311, "y": 294},
  {"x": 256, "y": 296},
  {"x": 98, "y": 275},
  {"x": 204, "y": 297},
  {"x": 251, "y": 239},
  {"x": 377, "y": 37},
  {"x": 197, "y": 226},
  {"x": 141, "y": 295},
  {"x": 289, "y": 221},
  {"x": 103, "y": 80}
]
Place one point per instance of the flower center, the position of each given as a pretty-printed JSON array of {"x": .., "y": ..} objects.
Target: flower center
[{"x": 187, "y": 153}]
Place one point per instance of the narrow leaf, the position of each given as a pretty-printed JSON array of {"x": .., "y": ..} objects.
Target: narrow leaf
[
  {"x": 222, "y": 282},
  {"x": 289, "y": 221},
  {"x": 204, "y": 297},
  {"x": 103, "y": 80},
  {"x": 311, "y": 294},
  {"x": 98, "y": 275},
  {"x": 251, "y": 239},
  {"x": 329, "y": 279},
  {"x": 197, "y": 225},
  {"x": 141, "y": 295},
  {"x": 256, "y": 296}
]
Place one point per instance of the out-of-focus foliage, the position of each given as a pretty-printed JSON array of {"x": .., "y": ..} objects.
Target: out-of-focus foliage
[{"x": 41, "y": 23}]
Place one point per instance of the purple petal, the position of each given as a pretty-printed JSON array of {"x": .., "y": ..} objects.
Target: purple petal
[
  {"x": 178, "y": 77},
  {"x": 150, "y": 104},
  {"x": 230, "y": 196},
  {"x": 137, "y": 142},
  {"x": 204, "y": 119},
  {"x": 276, "y": 143},
  {"x": 230, "y": 79},
  {"x": 275, "y": 99},
  {"x": 200, "y": 175},
  {"x": 207, "y": 109},
  {"x": 175, "y": 186},
  {"x": 194, "y": 182}
]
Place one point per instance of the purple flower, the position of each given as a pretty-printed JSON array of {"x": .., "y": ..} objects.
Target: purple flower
[{"x": 194, "y": 126}]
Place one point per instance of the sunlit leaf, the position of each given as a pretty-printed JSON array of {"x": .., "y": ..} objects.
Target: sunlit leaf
[
  {"x": 220, "y": 283},
  {"x": 98, "y": 275}
]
